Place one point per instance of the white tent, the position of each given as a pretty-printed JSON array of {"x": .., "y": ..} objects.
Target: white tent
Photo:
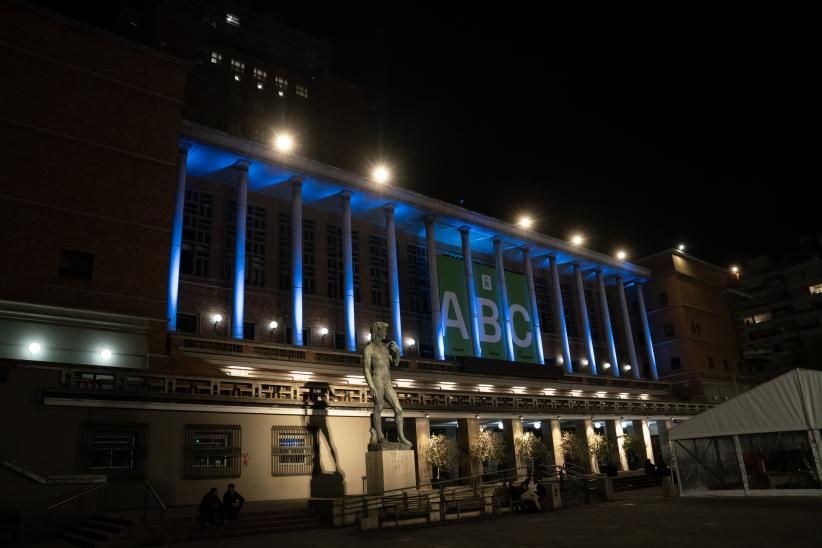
[{"x": 766, "y": 441}]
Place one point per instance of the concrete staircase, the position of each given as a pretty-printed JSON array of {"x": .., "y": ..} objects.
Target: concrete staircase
[
  {"x": 636, "y": 481},
  {"x": 122, "y": 530}
]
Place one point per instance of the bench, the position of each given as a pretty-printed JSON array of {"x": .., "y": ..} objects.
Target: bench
[
  {"x": 464, "y": 501},
  {"x": 401, "y": 507},
  {"x": 503, "y": 499},
  {"x": 11, "y": 523}
]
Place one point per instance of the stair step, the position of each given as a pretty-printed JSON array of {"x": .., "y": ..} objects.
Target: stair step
[{"x": 77, "y": 540}]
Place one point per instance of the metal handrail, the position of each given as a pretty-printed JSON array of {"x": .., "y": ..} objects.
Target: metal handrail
[
  {"x": 56, "y": 505},
  {"x": 163, "y": 509}
]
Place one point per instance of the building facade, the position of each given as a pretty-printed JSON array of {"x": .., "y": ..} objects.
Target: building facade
[{"x": 138, "y": 344}]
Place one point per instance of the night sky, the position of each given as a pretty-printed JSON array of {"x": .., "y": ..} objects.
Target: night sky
[{"x": 641, "y": 127}]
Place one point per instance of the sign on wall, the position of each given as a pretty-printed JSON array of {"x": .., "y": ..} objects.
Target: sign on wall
[{"x": 457, "y": 317}]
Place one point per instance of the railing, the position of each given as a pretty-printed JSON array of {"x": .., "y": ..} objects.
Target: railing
[
  {"x": 53, "y": 507},
  {"x": 151, "y": 491}
]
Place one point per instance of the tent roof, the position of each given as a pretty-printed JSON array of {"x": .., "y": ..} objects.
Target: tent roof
[{"x": 790, "y": 402}]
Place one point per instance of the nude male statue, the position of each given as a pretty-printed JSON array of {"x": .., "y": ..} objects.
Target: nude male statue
[{"x": 377, "y": 359}]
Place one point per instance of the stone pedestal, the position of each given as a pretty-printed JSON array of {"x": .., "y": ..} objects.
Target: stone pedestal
[{"x": 392, "y": 469}]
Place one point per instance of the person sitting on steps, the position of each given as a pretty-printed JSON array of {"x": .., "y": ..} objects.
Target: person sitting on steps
[{"x": 232, "y": 503}]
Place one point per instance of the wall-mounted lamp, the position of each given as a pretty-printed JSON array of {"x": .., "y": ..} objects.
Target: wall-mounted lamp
[{"x": 216, "y": 318}]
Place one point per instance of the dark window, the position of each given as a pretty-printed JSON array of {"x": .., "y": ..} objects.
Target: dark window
[
  {"x": 195, "y": 257},
  {"x": 570, "y": 310},
  {"x": 546, "y": 313},
  {"x": 378, "y": 263},
  {"x": 669, "y": 329},
  {"x": 249, "y": 331},
  {"x": 212, "y": 451},
  {"x": 284, "y": 251},
  {"x": 309, "y": 257},
  {"x": 292, "y": 450},
  {"x": 663, "y": 298},
  {"x": 725, "y": 364},
  {"x": 255, "y": 223},
  {"x": 676, "y": 363},
  {"x": 339, "y": 340},
  {"x": 710, "y": 362},
  {"x": 418, "y": 286},
  {"x": 118, "y": 450},
  {"x": 76, "y": 264},
  {"x": 187, "y": 323},
  {"x": 335, "y": 262}
]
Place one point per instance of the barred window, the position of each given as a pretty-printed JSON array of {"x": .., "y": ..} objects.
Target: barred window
[
  {"x": 212, "y": 451},
  {"x": 119, "y": 450},
  {"x": 418, "y": 279},
  {"x": 284, "y": 249},
  {"x": 292, "y": 450},
  {"x": 569, "y": 306},
  {"x": 196, "y": 249},
  {"x": 309, "y": 257},
  {"x": 255, "y": 223},
  {"x": 378, "y": 264},
  {"x": 594, "y": 316},
  {"x": 546, "y": 312},
  {"x": 335, "y": 261}
]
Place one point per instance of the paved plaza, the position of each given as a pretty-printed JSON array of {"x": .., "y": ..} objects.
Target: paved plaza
[{"x": 637, "y": 519}]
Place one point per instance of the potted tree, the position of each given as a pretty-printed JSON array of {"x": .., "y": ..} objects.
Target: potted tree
[
  {"x": 603, "y": 448},
  {"x": 571, "y": 448},
  {"x": 634, "y": 450},
  {"x": 529, "y": 447},
  {"x": 488, "y": 446},
  {"x": 440, "y": 451}
]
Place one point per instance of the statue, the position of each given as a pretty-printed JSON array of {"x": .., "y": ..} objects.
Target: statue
[{"x": 377, "y": 359}]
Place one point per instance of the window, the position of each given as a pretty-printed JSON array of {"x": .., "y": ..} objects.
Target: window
[
  {"x": 378, "y": 264},
  {"x": 815, "y": 289},
  {"x": 212, "y": 451},
  {"x": 260, "y": 76},
  {"x": 710, "y": 362},
  {"x": 238, "y": 68},
  {"x": 255, "y": 223},
  {"x": 187, "y": 323},
  {"x": 339, "y": 340},
  {"x": 546, "y": 313},
  {"x": 663, "y": 298},
  {"x": 292, "y": 450},
  {"x": 758, "y": 318},
  {"x": 309, "y": 257},
  {"x": 75, "y": 264},
  {"x": 725, "y": 364},
  {"x": 216, "y": 57},
  {"x": 196, "y": 252},
  {"x": 418, "y": 287},
  {"x": 334, "y": 242},
  {"x": 569, "y": 309},
  {"x": 669, "y": 330},
  {"x": 249, "y": 331},
  {"x": 302, "y": 91},
  {"x": 281, "y": 84},
  {"x": 696, "y": 329},
  {"x": 284, "y": 249},
  {"x": 676, "y": 363},
  {"x": 232, "y": 19},
  {"x": 118, "y": 450}
]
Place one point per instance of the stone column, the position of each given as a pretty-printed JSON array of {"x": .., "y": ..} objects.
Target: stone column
[
  {"x": 422, "y": 432},
  {"x": 615, "y": 434},
  {"x": 646, "y": 328},
  {"x": 348, "y": 273},
  {"x": 393, "y": 276},
  {"x": 176, "y": 238},
  {"x": 297, "y": 262},
  {"x": 662, "y": 428},
  {"x": 552, "y": 438},
  {"x": 503, "y": 299},
  {"x": 434, "y": 289},
  {"x": 511, "y": 429},
  {"x": 584, "y": 432},
  {"x": 559, "y": 315},
  {"x": 467, "y": 432},
  {"x": 468, "y": 264},
  {"x": 629, "y": 333},
  {"x": 239, "y": 250},
  {"x": 641, "y": 430},
  {"x": 606, "y": 321},
  {"x": 529, "y": 278},
  {"x": 583, "y": 315}
]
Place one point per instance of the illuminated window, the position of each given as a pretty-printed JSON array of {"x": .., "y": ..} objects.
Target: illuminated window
[
  {"x": 758, "y": 318},
  {"x": 260, "y": 75},
  {"x": 815, "y": 289},
  {"x": 292, "y": 450},
  {"x": 232, "y": 19},
  {"x": 281, "y": 84},
  {"x": 238, "y": 68},
  {"x": 216, "y": 57},
  {"x": 302, "y": 91}
]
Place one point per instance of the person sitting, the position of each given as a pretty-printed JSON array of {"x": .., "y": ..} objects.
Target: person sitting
[
  {"x": 211, "y": 508},
  {"x": 232, "y": 503},
  {"x": 529, "y": 492},
  {"x": 650, "y": 467}
]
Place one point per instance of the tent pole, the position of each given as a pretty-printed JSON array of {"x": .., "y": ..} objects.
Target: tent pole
[
  {"x": 816, "y": 452},
  {"x": 742, "y": 470}
]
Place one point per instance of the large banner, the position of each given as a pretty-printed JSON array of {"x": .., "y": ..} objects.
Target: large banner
[{"x": 457, "y": 317}]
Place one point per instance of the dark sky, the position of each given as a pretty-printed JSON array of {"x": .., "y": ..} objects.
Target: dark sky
[{"x": 641, "y": 127}]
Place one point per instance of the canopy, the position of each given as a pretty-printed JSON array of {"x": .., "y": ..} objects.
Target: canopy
[{"x": 787, "y": 403}]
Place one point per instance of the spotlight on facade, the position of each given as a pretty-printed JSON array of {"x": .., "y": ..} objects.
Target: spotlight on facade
[
  {"x": 626, "y": 367},
  {"x": 409, "y": 342},
  {"x": 499, "y": 425},
  {"x": 621, "y": 255},
  {"x": 735, "y": 269},
  {"x": 606, "y": 365},
  {"x": 681, "y": 247},
  {"x": 560, "y": 360},
  {"x": 284, "y": 142},
  {"x": 538, "y": 425},
  {"x": 577, "y": 239},
  {"x": 272, "y": 325},
  {"x": 323, "y": 331},
  {"x": 525, "y": 222},
  {"x": 34, "y": 348},
  {"x": 216, "y": 318},
  {"x": 583, "y": 362},
  {"x": 105, "y": 354},
  {"x": 381, "y": 174}
]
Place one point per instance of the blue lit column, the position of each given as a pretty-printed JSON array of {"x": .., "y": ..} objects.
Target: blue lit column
[
  {"x": 393, "y": 275},
  {"x": 468, "y": 264},
  {"x": 626, "y": 322},
  {"x": 239, "y": 250},
  {"x": 559, "y": 315},
  {"x": 297, "y": 262},
  {"x": 606, "y": 321},
  {"x": 176, "y": 238},
  {"x": 434, "y": 289},
  {"x": 503, "y": 299},
  {"x": 529, "y": 276},
  {"x": 649, "y": 344},
  {"x": 348, "y": 274},
  {"x": 583, "y": 315}
]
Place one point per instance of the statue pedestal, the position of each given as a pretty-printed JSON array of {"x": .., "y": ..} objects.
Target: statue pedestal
[{"x": 392, "y": 469}]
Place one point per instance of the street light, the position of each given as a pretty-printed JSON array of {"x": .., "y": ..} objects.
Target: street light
[
  {"x": 681, "y": 247},
  {"x": 621, "y": 255},
  {"x": 525, "y": 221},
  {"x": 284, "y": 142},
  {"x": 381, "y": 174},
  {"x": 577, "y": 239}
]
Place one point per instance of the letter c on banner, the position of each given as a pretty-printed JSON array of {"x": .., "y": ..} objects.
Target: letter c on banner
[{"x": 524, "y": 342}]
